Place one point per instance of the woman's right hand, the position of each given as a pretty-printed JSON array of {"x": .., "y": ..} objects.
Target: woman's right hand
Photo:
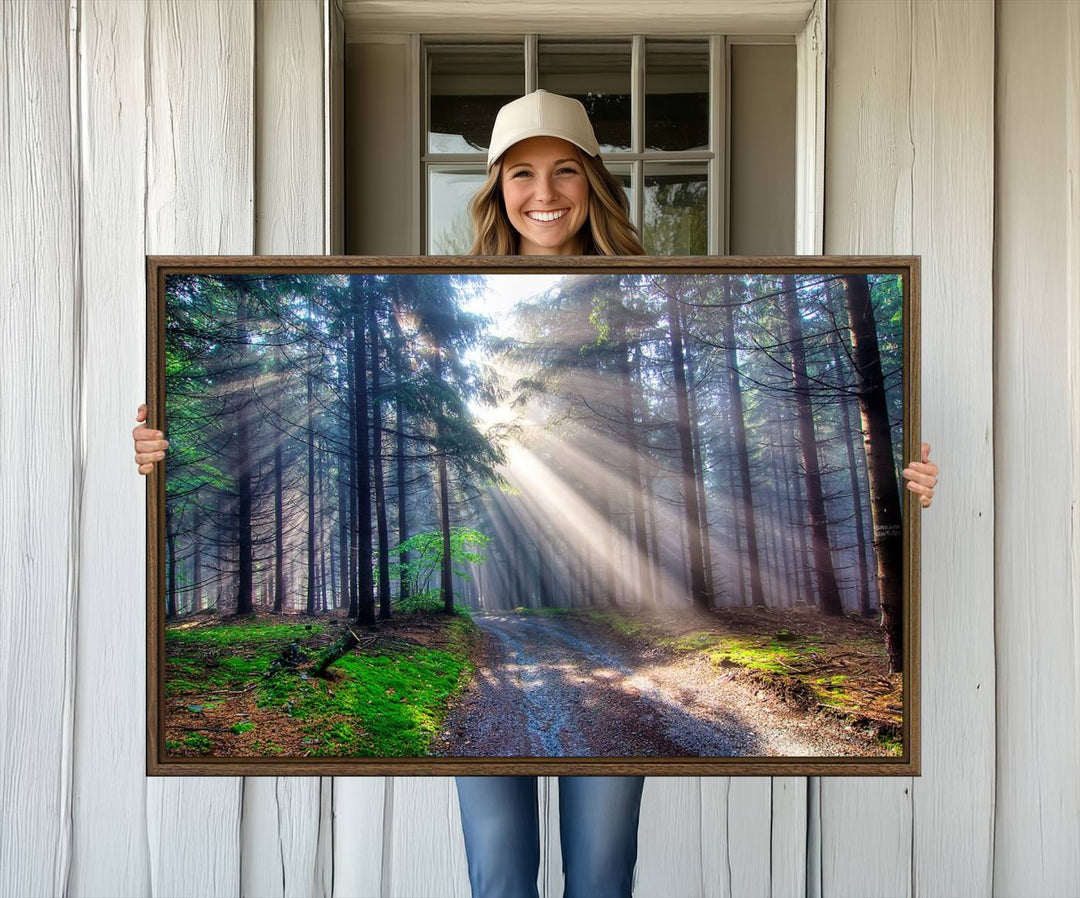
[{"x": 150, "y": 444}]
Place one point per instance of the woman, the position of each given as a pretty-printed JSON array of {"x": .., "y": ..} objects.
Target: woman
[{"x": 548, "y": 193}]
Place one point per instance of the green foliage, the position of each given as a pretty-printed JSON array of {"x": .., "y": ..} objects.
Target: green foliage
[
  {"x": 426, "y": 556},
  {"x": 893, "y": 745},
  {"x": 245, "y": 633},
  {"x": 429, "y": 601},
  {"x": 266, "y": 748},
  {"x": 617, "y": 622},
  {"x": 691, "y": 642},
  {"x": 197, "y": 741},
  {"x": 762, "y": 653},
  {"x": 242, "y": 726}
]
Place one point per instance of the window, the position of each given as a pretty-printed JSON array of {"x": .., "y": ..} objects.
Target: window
[{"x": 660, "y": 110}]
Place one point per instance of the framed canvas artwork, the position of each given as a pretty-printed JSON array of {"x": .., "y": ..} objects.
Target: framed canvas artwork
[{"x": 603, "y": 515}]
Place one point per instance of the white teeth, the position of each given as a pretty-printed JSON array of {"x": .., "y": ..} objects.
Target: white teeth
[{"x": 546, "y": 216}]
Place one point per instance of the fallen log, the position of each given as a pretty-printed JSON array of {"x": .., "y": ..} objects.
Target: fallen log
[{"x": 342, "y": 646}]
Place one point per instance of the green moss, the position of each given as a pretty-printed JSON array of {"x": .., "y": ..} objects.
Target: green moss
[
  {"x": 243, "y": 633},
  {"x": 891, "y": 744},
  {"x": 173, "y": 745},
  {"x": 617, "y": 622},
  {"x": 690, "y": 642},
  {"x": 761, "y": 653},
  {"x": 266, "y": 748},
  {"x": 398, "y": 702},
  {"x": 197, "y": 741},
  {"x": 389, "y": 702},
  {"x": 177, "y": 686}
]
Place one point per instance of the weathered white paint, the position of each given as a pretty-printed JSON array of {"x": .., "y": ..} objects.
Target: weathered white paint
[
  {"x": 952, "y": 129},
  {"x": 557, "y": 17},
  {"x": 865, "y": 824},
  {"x": 41, "y": 432},
  {"x": 144, "y": 141},
  {"x": 424, "y": 851},
  {"x": 810, "y": 134},
  {"x": 1036, "y": 372},
  {"x": 909, "y": 154},
  {"x": 281, "y": 815},
  {"x": 109, "y": 811},
  {"x": 200, "y": 199},
  {"x": 671, "y": 832}
]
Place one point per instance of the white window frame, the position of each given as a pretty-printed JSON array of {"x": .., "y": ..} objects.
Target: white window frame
[{"x": 810, "y": 125}]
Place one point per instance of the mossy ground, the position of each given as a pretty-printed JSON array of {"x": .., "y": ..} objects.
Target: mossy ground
[
  {"x": 837, "y": 666},
  {"x": 227, "y": 695}
]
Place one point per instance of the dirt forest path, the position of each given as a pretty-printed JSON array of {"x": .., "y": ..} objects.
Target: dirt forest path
[{"x": 562, "y": 686}]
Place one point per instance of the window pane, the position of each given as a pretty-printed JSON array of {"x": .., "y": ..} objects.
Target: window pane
[
  {"x": 676, "y": 95},
  {"x": 676, "y": 209},
  {"x": 622, "y": 174},
  {"x": 597, "y": 74},
  {"x": 449, "y": 191},
  {"x": 467, "y": 84}
]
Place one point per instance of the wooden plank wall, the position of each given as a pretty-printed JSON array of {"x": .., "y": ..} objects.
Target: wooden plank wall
[
  {"x": 1037, "y": 450},
  {"x": 170, "y": 126},
  {"x": 909, "y": 169}
]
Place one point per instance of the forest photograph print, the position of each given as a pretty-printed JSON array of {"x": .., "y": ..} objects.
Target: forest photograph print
[{"x": 480, "y": 516}]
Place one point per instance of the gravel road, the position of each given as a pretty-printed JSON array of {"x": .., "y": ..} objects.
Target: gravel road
[{"x": 560, "y": 686}]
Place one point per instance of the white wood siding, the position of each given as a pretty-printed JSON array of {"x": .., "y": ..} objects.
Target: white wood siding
[
  {"x": 135, "y": 127},
  {"x": 909, "y": 150},
  {"x": 1037, "y": 453}
]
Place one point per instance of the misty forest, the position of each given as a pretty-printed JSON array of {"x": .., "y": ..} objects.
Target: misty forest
[{"x": 368, "y": 447}]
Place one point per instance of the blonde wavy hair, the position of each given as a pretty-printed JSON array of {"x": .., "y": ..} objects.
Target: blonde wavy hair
[{"x": 608, "y": 230}]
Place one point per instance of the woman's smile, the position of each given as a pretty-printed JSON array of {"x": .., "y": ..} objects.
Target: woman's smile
[
  {"x": 553, "y": 215},
  {"x": 546, "y": 194}
]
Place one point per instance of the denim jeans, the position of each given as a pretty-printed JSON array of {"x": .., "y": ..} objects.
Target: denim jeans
[{"x": 598, "y": 822}]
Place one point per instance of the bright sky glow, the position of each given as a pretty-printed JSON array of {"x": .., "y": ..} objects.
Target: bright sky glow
[{"x": 504, "y": 292}]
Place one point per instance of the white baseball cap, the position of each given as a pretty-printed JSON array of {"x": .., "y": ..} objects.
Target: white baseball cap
[{"x": 541, "y": 114}]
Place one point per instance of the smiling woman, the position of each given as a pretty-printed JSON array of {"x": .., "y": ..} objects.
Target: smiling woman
[
  {"x": 546, "y": 195},
  {"x": 547, "y": 191}
]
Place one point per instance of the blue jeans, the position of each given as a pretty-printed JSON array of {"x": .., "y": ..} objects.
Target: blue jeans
[{"x": 598, "y": 822}]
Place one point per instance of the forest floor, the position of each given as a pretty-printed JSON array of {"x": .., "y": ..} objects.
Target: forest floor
[
  {"x": 561, "y": 683},
  {"x": 736, "y": 682},
  {"x": 245, "y": 686}
]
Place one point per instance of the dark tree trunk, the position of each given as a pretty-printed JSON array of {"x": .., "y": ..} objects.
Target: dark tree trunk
[
  {"x": 311, "y": 606},
  {"x": 446, "y": 576},
  {"x": 377, "y": 463},
  {"x": 170, "y": 555},
  {"x": 853, "y": 473},
  {"x": 803, "y": 573},
  {"x": 884, "y": 491},
  {"x": 698, "y": 591},
  {"x": 279, "y": 534},
  {"x": 735, "y": 489},
  {"x": 323, "y": 540},
  {"x": 354, "y": 528},
  {"x": 366, "y": 587},
  {"x": 344, "y": 542},
  {"x": 783, "y": 534},
  {"x": 244, "y": 604},
  {"x": 399, "y": 409},
  {"x": 828, "y": 592},
  {"x": 196, "y": 563},
  {"x": 738, "y": 418},
  {"x": 633, "y": 457}
]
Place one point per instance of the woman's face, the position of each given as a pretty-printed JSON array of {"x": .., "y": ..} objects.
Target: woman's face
[{"x": 546, "y": 195}]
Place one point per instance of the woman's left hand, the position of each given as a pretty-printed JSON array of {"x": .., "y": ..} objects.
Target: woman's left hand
[{"x": 922, "y": 477}]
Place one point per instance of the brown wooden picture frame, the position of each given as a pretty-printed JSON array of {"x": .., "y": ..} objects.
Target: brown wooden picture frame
[{"x": 160, "y": 762}]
